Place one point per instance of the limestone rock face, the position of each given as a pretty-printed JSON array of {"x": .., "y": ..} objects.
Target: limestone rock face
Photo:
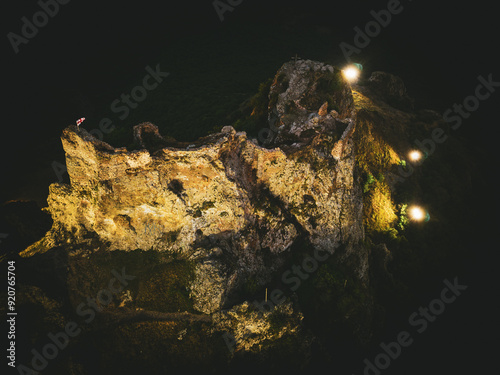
[
  {"x": 299, "y": 98},
  {"x": 234, "y": 208},
  {"x": 220, "y": 236},
  {"x": 247, "y": 328},
  {"x": 323, "y": 111},
  {"x": 148, "y": 136}
]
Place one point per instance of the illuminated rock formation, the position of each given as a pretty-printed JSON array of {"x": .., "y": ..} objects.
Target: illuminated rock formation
[{"x": 207, "y": 226}]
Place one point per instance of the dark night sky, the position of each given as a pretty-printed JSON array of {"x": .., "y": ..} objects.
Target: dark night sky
[{"x": 438, "y": 48}]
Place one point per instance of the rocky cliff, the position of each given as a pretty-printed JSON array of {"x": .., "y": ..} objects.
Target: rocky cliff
[
  {"x": 226, "y": 202},
  {"x": 207, "y": 227}
]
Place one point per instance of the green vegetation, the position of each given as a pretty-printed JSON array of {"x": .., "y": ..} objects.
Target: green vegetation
[
  {"x": 374, "y": 157},
  {"x": 378, "y": 208},
  {"x": 403, "y": 217},
  {"x": 369, "y": 180},
  {"x": 373, "y": 154},
  {"x": 443, "y": 182}
]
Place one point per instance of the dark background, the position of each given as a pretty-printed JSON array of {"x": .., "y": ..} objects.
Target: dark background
[{"x": 90, "y": 53}]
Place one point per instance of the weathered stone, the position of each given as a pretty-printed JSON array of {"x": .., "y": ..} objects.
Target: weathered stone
[
  {"x": 228, "y": 129},
  {"x": 234, "y": 209},
  {"x": 249, "y": 327},
  {"x": 148, "y": 136},
  {"x": 323, "y": 110},
  {"x": 249, "y": 197},
  {"x": 207, "y": 225}
]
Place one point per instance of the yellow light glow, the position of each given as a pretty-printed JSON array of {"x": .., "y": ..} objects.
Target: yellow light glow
[
  {"x": 415, "y": 155},
  {"x": 417, "y": 213},
  {"x": 351, "y": 73}
]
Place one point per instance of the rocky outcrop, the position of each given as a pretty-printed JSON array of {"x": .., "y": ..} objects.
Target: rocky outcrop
[
  {"x": 251, "y": 327},
  {"x": 147, "y": 136},
  {"x": 231, "y": 206},
  {"x": 209, "y": 225}
]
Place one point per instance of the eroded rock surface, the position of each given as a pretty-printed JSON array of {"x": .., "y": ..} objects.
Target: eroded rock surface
[
  {"x": 207, "y": 226},
  {"x": 249, "y": 202}
]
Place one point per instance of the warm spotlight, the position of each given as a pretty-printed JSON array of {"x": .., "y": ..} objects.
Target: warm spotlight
[
  {"x": 351, "y": 73},
  {"x": 415, "y": 155},
  {"x": 417, "y": 213}
]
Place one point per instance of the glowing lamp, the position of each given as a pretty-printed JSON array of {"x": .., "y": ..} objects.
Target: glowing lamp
[
  {"x": 351, "y": 73},
  {"x": 415, "y": 155},
  {"x": 417, "y": 213}
]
